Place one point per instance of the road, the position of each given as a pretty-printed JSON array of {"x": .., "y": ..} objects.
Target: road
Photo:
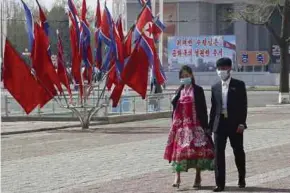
[
  {"x": 255, "y": 98},
  {"x": 128, "y": 158}
]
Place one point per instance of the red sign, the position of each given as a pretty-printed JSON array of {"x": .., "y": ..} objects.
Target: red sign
[{"x": 253, "y": 58}]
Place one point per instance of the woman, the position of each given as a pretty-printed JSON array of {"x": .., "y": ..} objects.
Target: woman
[{"x": 189, "y": 146}]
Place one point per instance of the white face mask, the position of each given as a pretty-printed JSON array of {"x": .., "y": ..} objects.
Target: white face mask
[{"x": 223, "y": 74}]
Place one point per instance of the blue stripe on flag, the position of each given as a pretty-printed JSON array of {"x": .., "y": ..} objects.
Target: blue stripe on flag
[{"x": 29, "y": 25}]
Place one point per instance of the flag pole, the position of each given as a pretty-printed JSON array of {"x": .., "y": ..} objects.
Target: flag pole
[
  {"x": 161, "y": 37},
  {"x": 2, "y": 33},
  {"x": 66, "y": 101},
  {"x": 153, "y": 4},
  {"x": 125, "y": 19}
]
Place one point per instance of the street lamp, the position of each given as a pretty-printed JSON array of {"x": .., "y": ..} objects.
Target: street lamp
[{"x": 26, "y": 52}]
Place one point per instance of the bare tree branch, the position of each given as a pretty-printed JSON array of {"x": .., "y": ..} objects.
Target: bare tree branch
[
  {"x": 257, "y": 13},
  {"x": 267, "y": 20},
  {"x": 265, "y": 23},
  {"x": 288, "y": 40},
  {"x": 280, "y": 9},
  {"x": 249, "y": 21}
]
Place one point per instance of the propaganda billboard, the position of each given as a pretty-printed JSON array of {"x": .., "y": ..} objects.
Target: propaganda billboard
[{"x": 200, "y": 52}]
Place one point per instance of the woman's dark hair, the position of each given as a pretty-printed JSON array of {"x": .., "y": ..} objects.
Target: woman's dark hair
[{"x": 187, "y": 69}]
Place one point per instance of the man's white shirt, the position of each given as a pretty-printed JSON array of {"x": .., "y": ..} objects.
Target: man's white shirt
[{"x": 225, "y": 89}]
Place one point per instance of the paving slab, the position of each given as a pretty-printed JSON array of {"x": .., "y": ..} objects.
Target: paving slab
[
  {"x": 127, "y": 158},
  {"x": 18, "y": 127}
]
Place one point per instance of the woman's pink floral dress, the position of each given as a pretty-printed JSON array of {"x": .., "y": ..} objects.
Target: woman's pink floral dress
[{"x": 188, "y": 146}]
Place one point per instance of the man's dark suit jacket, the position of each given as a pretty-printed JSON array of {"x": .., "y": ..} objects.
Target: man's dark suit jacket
[
  {"x": 200, "y": 104},
  {"x": 236, "y": 105}
]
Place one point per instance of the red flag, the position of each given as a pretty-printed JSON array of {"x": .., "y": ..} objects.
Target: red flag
[
  {"x": 43, "y": 20},
  {"x": 61, "y": 70},
  {"x": 135, "y": 73},
  {"x": 113, "y": 78},
  {"x": 120, "y": 28},
  {"x": 117, "y": 59},
  {"x": 145, "y": 27},
  {"x": 117, "y": 93},
  {"x": 88, "y": 72},
  {"x": 128, "y": 42},
  {"x": 76, "y": 58},
  {"x": 87, "y": 57},
  {"x": 98, "y": 42},
  {"x": 18, "y": 79},
  {"x": 41, "y": 59},
  {"x": 158, "y": 28},
  {"x": 111, "y": 75},
  {"x": 229, "y": 45},
  {"x": 42, "y": 64},
  {"x": 84, "y": 13},
  {"x": 158, "y": 70}
]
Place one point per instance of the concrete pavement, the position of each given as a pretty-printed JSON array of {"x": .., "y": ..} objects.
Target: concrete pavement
[{"x": 128, "y": 158}]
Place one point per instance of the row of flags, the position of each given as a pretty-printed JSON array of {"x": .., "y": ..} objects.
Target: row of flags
[{"x": 126, "y": 59}]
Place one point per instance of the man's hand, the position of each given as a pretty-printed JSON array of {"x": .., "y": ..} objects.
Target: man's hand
[
  {"x": 208, "y": 132},
  {"x": 240, "y": 129}
]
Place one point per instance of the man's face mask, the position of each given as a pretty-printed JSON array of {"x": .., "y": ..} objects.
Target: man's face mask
[{"x": 223, "y": 74}]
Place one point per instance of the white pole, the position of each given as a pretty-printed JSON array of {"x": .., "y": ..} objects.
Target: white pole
[
  {"x": 115, "y": 6},
  {"x": 3, "y": 29},
  {"x": 161, "y": 37},
  {"x": 153, "y": 4},
  {"x": 124, "y": 14},
  {"x": 120, "y": 8}
]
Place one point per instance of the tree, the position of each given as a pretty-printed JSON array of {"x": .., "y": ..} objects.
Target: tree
[
  {"x": 261, "y": 13},
  {"x": 16, "y": 32},
  {"x": 16, "y": 27},
  {"x": 58, "y": 20}
]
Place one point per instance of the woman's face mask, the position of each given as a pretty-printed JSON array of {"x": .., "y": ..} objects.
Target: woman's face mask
[{"x": 186, "y": 81}]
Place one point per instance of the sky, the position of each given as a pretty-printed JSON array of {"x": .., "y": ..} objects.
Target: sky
[{"x": 90, "y": 3}]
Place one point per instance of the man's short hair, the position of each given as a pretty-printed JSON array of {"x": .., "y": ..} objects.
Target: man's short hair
[{"x": 224, "y": 62}]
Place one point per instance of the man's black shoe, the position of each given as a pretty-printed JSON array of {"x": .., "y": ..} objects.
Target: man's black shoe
[
  {"x": 242, "y": 183},
  {"x": 218, "y": 189}
]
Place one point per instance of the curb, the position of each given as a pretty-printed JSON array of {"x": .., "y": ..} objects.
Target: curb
[
  {"x": 46, "y": 129},
  {"x": 278, "y": 105},
  {"x": 102, "y": 121},
  {"x": 45, "y": 118},
  {"x": 138, "y": 117},
  {"x": 248, "y": 89}
]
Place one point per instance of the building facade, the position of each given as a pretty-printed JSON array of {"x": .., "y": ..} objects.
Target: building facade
[{"x": 208, "y": 17}]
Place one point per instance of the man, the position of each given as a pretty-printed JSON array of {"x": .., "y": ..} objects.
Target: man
[
  {"x": 228, "y": 120},
  {"x": 155, "y": 89}
]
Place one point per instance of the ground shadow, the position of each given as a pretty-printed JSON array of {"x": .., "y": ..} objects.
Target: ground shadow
[
  {"x": 117, "y": 130},
  {"x": 236, "y": 189},
  {"x": 190, "y": 189},
  {"x": 256, "y": 189}
]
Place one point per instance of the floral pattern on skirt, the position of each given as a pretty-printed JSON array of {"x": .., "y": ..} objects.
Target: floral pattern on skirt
[{"x": 188, "y": 146}]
